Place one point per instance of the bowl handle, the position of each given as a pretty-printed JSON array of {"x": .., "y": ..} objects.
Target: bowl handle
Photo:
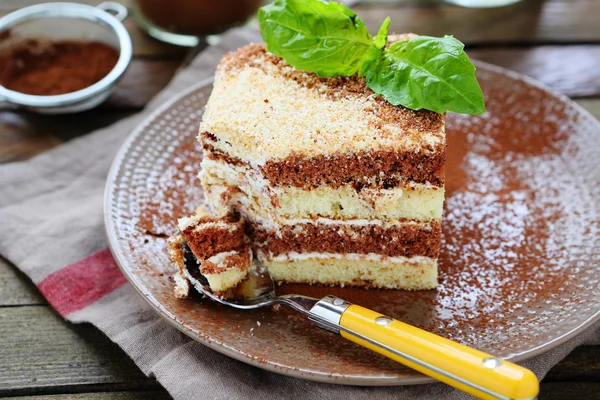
[{"x": 117, "y": 10}]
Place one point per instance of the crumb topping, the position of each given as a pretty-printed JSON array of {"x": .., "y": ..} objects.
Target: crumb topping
[{"x": 263, "y": 108}]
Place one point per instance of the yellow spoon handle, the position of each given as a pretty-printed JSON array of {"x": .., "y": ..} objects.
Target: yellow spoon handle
[{"x": 467, "y": 369}]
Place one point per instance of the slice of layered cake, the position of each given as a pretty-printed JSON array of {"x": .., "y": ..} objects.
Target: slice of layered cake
[
  {"x": 334, "y": 185},
  {"x": 213, "y": 246}
]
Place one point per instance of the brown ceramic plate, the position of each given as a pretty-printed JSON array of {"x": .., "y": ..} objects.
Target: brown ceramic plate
[{"x": 520, "y": 260}]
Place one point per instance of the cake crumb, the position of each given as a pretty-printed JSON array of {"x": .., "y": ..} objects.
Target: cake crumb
[{"x": 182, "y": 287}]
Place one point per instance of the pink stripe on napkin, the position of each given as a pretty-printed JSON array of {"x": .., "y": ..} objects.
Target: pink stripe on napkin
[{"x": 80, "y": 284}]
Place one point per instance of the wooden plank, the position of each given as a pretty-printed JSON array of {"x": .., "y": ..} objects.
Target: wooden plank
[
  {"x": 571, "y": 70},
  {"x": 159, "y": 394},
  {"x": 549, "y": 391},
  {"x": 142, "y": 81},
  {"x": 20, "y": 140},
  {"x": 535, "y": 21},
  {"x": 583, "y": 364},
  {"x": 146, "y": 46},
  {"x": 532, "y": 21},
  {"x": 570, "y": 390},
  {"x": 16, "y": 289},
  {"x": 43, "y": 354},
  {"x": 24, "y": 135}
]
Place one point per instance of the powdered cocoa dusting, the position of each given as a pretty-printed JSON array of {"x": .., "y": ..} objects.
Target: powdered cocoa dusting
[{"x": 46, "y": 68}]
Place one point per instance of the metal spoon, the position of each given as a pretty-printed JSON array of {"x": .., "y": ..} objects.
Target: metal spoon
[{"x": 470, "y": 370}]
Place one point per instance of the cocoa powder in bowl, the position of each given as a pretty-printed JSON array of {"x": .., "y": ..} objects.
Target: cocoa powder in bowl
[{"x": 46, "y": 68}]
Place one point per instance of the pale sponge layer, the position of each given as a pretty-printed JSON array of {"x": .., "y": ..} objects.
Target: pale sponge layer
[
  {"x": 415, "y": 273},
  {"x": 413, "y": 202},
  {"x": 226, "y": 279}
]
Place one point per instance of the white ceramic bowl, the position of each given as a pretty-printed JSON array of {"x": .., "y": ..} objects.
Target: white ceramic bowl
[{"x": 71, "y": 21}]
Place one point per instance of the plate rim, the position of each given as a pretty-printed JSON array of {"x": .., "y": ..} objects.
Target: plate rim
[{"x": 333, "y": 378}]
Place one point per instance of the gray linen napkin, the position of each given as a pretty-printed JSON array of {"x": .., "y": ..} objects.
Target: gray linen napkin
[{"x": 52, "y": 229}]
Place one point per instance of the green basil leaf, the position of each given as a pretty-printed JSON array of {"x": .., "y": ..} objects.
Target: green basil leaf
[
  {"x": 426, "y": 72},
  {"x": 327, "y": 39},
  {"x": 375, "y": 51}
]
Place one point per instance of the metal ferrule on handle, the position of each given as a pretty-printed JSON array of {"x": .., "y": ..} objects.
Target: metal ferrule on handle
[{"x": 470, "y": 370}]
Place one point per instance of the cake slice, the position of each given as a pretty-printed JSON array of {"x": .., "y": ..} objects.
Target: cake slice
[
  {"x": 213, "y": 246},
  {"x": 334, "y": 184},
  {"x": 224, "y": 271}
]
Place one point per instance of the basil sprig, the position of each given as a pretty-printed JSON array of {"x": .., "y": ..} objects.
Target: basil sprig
[
  {"x": 325, "y": 38},
  {"x": 328, "y": 39}
]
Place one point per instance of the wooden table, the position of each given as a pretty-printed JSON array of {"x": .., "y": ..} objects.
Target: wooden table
[{"x": 42, "y": 356}]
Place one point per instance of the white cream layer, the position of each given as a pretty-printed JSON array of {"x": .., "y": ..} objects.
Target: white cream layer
[
  {"x": 293, "y": 256},
  {"x": 185, "y": 222},
  {"x": 219, "y": 258}
]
